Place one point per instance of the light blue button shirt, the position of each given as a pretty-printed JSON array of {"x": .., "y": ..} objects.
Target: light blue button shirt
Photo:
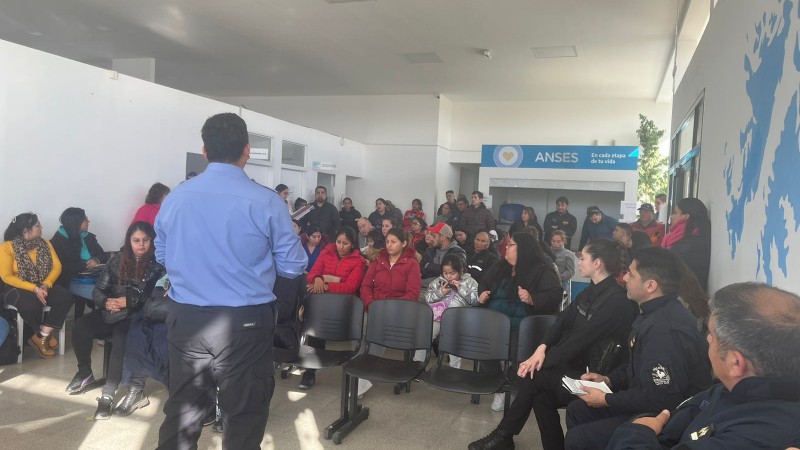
[{"x": 223, "y": 238}]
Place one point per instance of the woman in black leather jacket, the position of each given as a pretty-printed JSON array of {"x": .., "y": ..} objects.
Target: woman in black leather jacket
[{"x": 124, "y": 287}]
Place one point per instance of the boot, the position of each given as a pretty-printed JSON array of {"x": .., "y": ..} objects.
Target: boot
[
  {"x": 309, "y": 378},
  {"x": 40, "y": 343},
  {"x": 133, "y": 400},
  {"x": 498, "y": 439}
]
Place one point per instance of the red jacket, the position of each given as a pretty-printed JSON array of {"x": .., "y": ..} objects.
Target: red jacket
[
  {"x": 409, "y": 216},
  {"x": 349, "y": 269},
  {"x": 400, "y": 281},
  {"x": 654, "y": 230}
]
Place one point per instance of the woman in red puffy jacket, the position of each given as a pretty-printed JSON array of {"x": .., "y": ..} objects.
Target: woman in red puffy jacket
[
  {"x": 339, "y": 268},
  {"x": 395, "y": 273}
]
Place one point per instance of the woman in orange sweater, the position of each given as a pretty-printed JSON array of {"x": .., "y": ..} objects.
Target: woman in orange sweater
[{"x": 30, "y": 267}]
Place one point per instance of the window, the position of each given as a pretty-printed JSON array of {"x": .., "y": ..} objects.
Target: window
[
  {"x": 260, "y": 149},
  {"x": 293, "y": 154},
  {"x": 684, "y": 170}
]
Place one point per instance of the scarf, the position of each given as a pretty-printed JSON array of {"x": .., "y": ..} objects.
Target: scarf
[
  {"x": 676, "y": 233},
  {"x": 28, "y": 270},
  {"x": 85, "y": 255}
]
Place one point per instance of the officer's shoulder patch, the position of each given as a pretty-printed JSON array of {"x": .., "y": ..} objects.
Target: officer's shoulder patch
[
  {"x": 703, "y": 432},
  {"x": 660, "y": 374}
]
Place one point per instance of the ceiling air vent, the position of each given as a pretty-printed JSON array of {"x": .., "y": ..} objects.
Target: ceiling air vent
[{"x": 567, "y": 51}]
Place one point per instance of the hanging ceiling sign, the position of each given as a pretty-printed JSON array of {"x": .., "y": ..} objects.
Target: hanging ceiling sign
[{"x": 591, "y": 157}]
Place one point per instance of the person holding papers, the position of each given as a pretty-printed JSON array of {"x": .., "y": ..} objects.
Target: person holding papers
[
  {"x": 668, "y": 357},
  {"x": 600, "y": 315}
]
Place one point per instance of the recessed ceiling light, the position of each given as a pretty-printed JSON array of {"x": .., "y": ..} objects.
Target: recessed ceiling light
[
  {"x": 102, "y": 27},
  {"x": 422, "y": 58},
  {"x": 567, "y": 51},
  {"x": 35, "y": 33}
]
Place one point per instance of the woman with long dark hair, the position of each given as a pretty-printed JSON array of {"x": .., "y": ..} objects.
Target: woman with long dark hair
[
  {"x": 600, "y": 314},
  {"x": 29, "y": 266},
  {"x": 527, "y": 219},
  {"x": 152, "y": 204},
  {"x": 380, "y": 213},
  {"x": 690, "y": 237},
  {"x": 524, "y": 283},
  {"x": 77, "y": 248},
  {"x": 123, "y": 288},
  {"x": 415, "y": 212}
]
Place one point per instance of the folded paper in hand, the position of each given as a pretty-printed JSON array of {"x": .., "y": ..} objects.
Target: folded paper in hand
[{"x": 574, "y": 386}]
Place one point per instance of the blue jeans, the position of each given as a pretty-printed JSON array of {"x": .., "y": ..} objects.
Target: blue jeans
[{"x": 3, "y": 329}]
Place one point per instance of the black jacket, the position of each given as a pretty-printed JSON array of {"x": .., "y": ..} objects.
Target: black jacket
[
  {"x": 478, "y": 263},
  {"x": 760, "y": 412},
  {"x": 431, "y": 266},
  {"x": 600, "y": 312},
  {"x": 668, "y": 360},
  {"x": 555, "y": 221},
  {"x": 541, "y": 281},
  {"x": 69, "y": 253},
  {"x": 137, "y": 292},
  {"x": 326, "y": 217},
  {"x": 349, "y": 218},
  {"x": 696, "y": 253}
]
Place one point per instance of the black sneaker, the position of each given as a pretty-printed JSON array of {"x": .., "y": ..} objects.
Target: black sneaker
[
  {"x": 104, "y": 405},
  {"x": 217, "y": 428},
  {"x": 496, "y": 440},
  {"x": 309, "y": 378},
  {"x": 133, "y": 400},
  {"x": 79, "y": 382}
]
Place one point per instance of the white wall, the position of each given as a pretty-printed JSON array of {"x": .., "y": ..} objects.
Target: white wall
[
  {"x": 552, "y": 122},
  {"x": 71, "y": 136},
  {"x": 370, "y": 119},
  {"x": 765, "y": 156}
]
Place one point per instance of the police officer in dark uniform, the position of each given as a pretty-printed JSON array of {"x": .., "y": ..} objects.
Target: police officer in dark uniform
[
  {"x": 668, "y": 362},
  {"x": 753, "y": 348}
]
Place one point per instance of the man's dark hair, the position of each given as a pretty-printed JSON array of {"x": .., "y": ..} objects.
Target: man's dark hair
[
  {"x": 660, "y": 265},
  {"x": 760, "y": 321},
  {"x": 281, "y": 187},
  {"x": 478, "y": 193},
  {"x": 449, "y": 192},
  {"x": 562, "y": 199},
  {"x": 662, "y": 197},
  {"x": 224, "y": 137},
  {"x": 321, "y": 187}
]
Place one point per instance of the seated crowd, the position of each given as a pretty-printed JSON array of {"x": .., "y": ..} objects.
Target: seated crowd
[{"x": 637, "y": 327}]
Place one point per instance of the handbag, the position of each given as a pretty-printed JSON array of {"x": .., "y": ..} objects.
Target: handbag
[
  {"x": 157, "y": 306},
  {"x": 113, "y": 317}
]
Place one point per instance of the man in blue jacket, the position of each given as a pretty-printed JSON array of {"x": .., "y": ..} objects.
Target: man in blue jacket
[
  {"x": 754, "y": 347},
  {"x": 596, "y": 226}
]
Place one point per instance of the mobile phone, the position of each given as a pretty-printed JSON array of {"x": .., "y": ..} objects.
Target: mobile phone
[{"x": 452, "y": 286}]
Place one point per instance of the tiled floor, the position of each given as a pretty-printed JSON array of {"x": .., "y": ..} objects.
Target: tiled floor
[{"x": 35, "y": 413}]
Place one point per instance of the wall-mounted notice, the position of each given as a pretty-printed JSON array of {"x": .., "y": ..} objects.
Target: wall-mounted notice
[{"x": 561, "y": 157}]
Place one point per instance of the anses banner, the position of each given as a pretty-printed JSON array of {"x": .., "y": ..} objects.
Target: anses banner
[{"x": 561, "y": 157}]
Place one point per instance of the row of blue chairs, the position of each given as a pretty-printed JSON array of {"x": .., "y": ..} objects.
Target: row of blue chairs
[{"x": 477, "y": 334}]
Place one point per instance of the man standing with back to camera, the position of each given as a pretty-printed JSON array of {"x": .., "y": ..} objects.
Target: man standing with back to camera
[{"x": 223, "y": 239}]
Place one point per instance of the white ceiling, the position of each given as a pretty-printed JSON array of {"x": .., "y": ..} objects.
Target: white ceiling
[{"x": 311, "y": 47}]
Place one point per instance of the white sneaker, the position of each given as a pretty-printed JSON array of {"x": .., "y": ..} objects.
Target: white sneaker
[
  {"x": 499, "y": 402},
  {"x": 363, "y": 387}
]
